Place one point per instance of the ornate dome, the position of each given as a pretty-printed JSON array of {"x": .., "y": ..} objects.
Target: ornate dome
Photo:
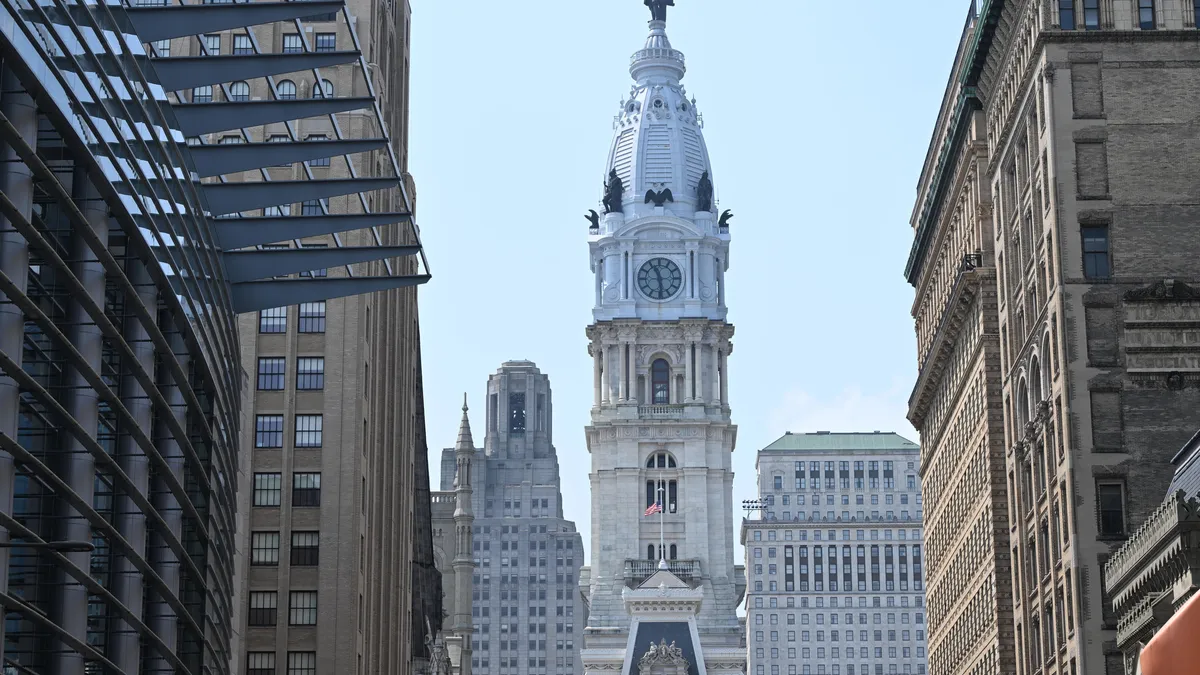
[{"x": 659, "y": 143}]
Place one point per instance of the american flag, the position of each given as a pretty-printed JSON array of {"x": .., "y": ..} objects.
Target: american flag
[{"x": 654, "y": 508}]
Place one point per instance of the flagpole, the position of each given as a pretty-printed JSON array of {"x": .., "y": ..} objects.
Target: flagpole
[{"x": 662, "y": 537}]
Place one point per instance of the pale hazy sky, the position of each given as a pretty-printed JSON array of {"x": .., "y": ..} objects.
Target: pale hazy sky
[{"x": 817, "y": 114}]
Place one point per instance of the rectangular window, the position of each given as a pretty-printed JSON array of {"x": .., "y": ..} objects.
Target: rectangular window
[
  {"x": 313, "y": 207},
  {"x": 306, "y": 549},
  {"x": 310, "y": 373},
  {"x": 312, "y": 317},
  {"x": 1096, "y": 263},
  {"x": 302, "y": 608},
  {"x": 260, "y": 663},
  {"x": 162, "y": 47},
  {"x": 320, "y": 161},
  {"x": 326, "y": 42},
  {"x": 1066, "y": 14},
  {"x": 1110, "y": 502},
  {"x": 302, "y": 663},
  {"x": 202, "y": 94},
  {"x": 1146, "y": 14},
  {"x": 306, "y": 489},
  {"x": 270, "y": 373},
  {"x": 268, "y": 431},
  {"x": 264, "y": 548},
  {"x": 1196, "y": 12},
  {"x": 212, "y": 44},
  {"x": 318, "y": 273},
  {"x": 263, "y": 608},
  {"x": 516, "y": 413},
  {"x": 1091, "y": 14},
  {"x": 308, "y": 431},
  {"x": 242, "y": 44},
  {"x": 273, "y": 320},
  {"x": 267, "y": 489},
  {"x": 292, "y": 43}
]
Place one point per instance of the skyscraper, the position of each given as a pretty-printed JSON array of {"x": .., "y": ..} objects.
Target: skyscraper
[
  {"x": 1056, "y": 295},
  {"x": 834, "y": 561},
  {"x": 660, "y": 427},
  {"x": 526, "y": 614},
  {"x": 334, "y": 438},
  {"x": 125, "y": 259}
]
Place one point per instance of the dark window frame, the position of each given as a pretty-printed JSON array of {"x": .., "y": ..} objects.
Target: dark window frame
[
  {"x": 1066, "y": 14},
  {"x": 310, "y": 372},
  {"x": 306, "y": 555},
  {"x": 306, "y": 489},
  {"x": 263, "y": 615},
  {"x": 272, "y": 373},
  {"x": 1147, "y": 15},
  {"x": 325, "y": 42},
  {"x": 268, "y": 431},
  {"x": 274, "y": 320},
  {"x": 1097, "y": 254},
  {"x": 1111, "y": 521}
]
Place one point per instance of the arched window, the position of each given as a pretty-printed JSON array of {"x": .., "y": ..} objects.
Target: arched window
[
  {"x": 287, "y": 90},
  {"x": 239, "y": 91},
  {"x": 1035, "y": 382},
  {"x": 650, "y": 552},
  {"x": 325, "y": 90},
  {"x": 660, "y": 460},
  {"x": 1022, "y": 407},
  {"x": 673, "y": 552},
  {"x": 660, "y": 382}
]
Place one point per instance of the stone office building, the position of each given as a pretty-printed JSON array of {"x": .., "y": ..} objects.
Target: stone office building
[
  {"x": 1055, "y": 270},
  {"x": 834, "y": 563},
  {"x": 527, "y": 616}
]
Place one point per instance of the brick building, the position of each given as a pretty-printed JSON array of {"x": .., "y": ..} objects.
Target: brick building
[{"x": 1054, "y": 269}]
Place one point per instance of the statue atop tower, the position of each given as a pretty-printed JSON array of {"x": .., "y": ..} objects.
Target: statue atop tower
[{"x": 658, "y": 9}]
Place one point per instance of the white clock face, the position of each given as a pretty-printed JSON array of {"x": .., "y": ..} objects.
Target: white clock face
[{"x": 659, "y": 279}]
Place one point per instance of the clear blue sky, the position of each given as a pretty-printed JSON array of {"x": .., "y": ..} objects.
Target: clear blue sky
[{"x": 818, "y": 115}]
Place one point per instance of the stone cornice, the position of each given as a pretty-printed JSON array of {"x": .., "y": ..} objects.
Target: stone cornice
[
  {"x": 1158, "y": 546},
  {"x": 954, "y": 315}
]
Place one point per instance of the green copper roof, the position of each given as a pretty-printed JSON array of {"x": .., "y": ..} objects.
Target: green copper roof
[{"x": 824, "y": 441}]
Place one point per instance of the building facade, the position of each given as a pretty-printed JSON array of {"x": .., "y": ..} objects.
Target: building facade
[
  {"x": 124, "y": 264},
  {"x": 1083, "y": 228},
  {"x": 526, "y": 615},
  {"x": 660, "y": 427},
  {"x": 956, "y": 403},
  {"x": 1157, "y": 571},
  {"x": 335, "y": 551},
  {"x": 834, "y": 562}
]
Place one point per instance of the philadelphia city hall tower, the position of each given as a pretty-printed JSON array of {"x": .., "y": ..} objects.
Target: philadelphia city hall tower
[{"x": 662, "y": 587}]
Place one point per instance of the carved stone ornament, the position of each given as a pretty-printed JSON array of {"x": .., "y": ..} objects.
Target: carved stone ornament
[
  {"x": 663, "y": 658},
  {"x": 1175, "y": 381},
  {"x": 1168, "y": 289},
  {"x": 983, "y": 210}
]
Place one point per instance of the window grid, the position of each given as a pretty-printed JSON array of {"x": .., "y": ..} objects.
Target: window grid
[
  {"x": 1091, "y": 14},
  {"x": 264, "y": 548},
  {"x": 306, "y": 549},
  {"x": 302, "y": 663},
  {"x": 202, "y": 94},
  {"x": 268, "y": 431},
  {"x": 239, "y": 91},
  {"x": 325, "y": 42},
  {"x": 242, "y": 45},
  {"x": 263, "y": 608},
  {"x": 302, "y": 608},
  {"x": 319, "y": 273},
  {"x": 312, "y": 317},
  {"x": 286, "y": 89},
  {"x": 268, "y": 489},
  {"x": 273, "y": 320},
  {"x": 306, "y": 489},
  {"x": 292, "y": 44},
  {"x": 308, "y": 431},
  {"x": 319, "y": 161},
  {"x": 310, "y": 373},
  {"x": 271, "y": 373},
  {"x": 260, "y": 663}
]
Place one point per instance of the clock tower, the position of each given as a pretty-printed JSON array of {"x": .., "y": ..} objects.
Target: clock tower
[{"x": 660, "y": 435}]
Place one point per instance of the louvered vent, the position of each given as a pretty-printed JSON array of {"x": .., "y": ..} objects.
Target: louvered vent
[
  {"x": 658, "y": 155},
  {"x": 693, "y": 156},
  {"x": 623, "y": 159}
]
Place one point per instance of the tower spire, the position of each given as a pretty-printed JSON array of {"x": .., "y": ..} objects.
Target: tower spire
[{"x": 465, "y": 442}]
